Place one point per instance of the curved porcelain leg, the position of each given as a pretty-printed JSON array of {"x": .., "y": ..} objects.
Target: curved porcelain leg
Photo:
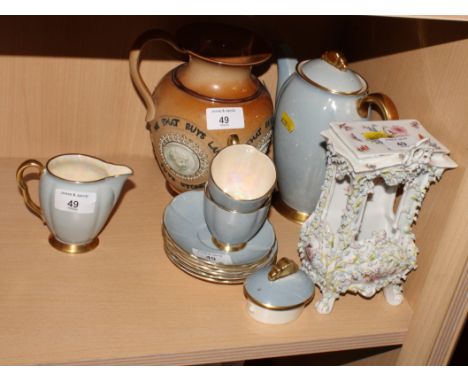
[
  {"x": 393, "y": 294},
  {"x": 325, "y": 304}
]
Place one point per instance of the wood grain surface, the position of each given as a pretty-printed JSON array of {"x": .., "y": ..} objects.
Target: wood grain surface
[
  {"x": 66, "y": 88},
  {"x": 428, "y": 84},
  {"x": 126, "y": 303}
]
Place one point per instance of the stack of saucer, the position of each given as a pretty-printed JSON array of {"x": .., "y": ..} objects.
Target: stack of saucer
[{"x": 188, "y": 244}]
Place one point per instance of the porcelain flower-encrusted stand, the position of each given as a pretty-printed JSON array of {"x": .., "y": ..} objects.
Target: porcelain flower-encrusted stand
[{"x": 354, "y": 240}]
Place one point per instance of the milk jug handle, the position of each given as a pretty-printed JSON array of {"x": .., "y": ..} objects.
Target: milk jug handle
[
  {"x": 24, "y": 188},
  {"x": 382, "y": 103},
  {"x": 134, "y": 60}
]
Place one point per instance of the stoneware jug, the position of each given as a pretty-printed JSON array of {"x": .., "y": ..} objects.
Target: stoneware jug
[
  {"x": 77, "y": 194},
  {"x": 198, "y": 105},
  {"x": 310, "y": 95}
]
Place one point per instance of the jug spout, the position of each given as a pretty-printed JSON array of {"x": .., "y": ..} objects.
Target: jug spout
[
  {"x": 118, "y": 174},
  {"x": 117, "y": 170},
  {"x": 286, "y": 65}
]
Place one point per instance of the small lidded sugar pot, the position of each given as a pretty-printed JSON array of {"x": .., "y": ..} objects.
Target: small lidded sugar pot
[{"x": 278, "y": 294}]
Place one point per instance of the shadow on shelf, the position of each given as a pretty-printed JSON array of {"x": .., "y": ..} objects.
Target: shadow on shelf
[
  {"x": 359, "y": 37},
  {"x": 347, "y": 357}
]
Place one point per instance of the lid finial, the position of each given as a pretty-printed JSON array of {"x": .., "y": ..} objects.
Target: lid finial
[
  {"x": 335, "y": 58},
  {"x": 284, "y": 267}
]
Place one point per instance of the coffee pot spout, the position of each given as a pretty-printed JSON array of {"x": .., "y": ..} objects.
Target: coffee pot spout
[{"x": 286, "y": 65}]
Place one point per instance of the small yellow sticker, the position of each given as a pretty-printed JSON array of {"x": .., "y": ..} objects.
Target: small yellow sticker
[
  {"x": 373, "y": 135},
  {"x": 287, "y": 122}
]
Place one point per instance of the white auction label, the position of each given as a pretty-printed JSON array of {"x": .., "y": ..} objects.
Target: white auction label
[
  {"x": 221, "y": 118},
  {"x": 75, "y": 201},
  {"x": 402, "y": 143},
  {"x": 218, "y": 258}
]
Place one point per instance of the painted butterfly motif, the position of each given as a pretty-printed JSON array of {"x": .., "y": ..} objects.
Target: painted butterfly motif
[
  {"x": 345, "y": 126},
  {"x": 397, "y": 131},
  {"x": 355, "y": 137}
]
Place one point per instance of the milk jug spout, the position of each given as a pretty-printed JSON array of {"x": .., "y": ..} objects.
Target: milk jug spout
[{"x": 117, "y": 175}]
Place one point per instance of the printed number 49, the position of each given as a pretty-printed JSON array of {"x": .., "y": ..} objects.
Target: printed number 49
[
  {"x": 73, "y": 203},
  {"x": 224, "y": 120}
]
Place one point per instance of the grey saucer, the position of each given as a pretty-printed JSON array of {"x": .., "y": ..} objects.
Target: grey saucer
[{"x": 185, "y": 223}]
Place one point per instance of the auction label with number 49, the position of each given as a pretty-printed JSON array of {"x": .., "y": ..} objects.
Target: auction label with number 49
[
  {"x": 75, "y": 201},
  {"x": 221, "y": 118}
]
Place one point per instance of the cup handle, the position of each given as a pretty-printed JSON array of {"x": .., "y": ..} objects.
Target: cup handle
[
  {"x": 134, "y": 60},
  {"x": 382, "y": 103},
  {"x": 24, "y": 188}
]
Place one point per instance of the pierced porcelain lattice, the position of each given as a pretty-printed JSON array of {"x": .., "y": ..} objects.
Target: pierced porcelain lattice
[{"x": 354, "y": 241}]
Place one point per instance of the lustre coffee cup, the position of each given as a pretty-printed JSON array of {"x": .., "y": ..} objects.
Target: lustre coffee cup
[
  {"x": 241, "y": 178},
  {"x": 231, "y": 230}
]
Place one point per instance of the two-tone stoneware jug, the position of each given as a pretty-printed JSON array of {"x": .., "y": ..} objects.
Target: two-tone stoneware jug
[
  {"x": 197, "y": 106},
  {"x": 310, "y": 95}
]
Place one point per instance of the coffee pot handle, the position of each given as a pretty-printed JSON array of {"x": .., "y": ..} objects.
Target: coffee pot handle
[
  {"x": 23, "y": 186},
  {"x": 382, "y": 103},
  {"x": 134, "y": 59}
]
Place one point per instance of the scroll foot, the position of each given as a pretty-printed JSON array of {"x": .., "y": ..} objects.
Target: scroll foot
[{"x": 393, "y": 294}]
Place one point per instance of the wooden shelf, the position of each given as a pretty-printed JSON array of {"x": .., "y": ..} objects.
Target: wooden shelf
[
  {"x": 126, "y": 303},
  {"x": 66, "y": 88}
]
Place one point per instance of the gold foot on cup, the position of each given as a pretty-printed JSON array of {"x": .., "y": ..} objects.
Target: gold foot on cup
[
  {"x": 227, "y": 247},
  {"x": 289, "y": 212},
  {"x": 73, "y": 248}
]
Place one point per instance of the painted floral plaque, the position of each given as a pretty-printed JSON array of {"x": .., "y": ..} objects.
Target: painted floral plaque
[{"x": 373, "y": 138}]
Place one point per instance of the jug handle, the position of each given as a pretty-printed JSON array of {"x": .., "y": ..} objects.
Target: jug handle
[
  {"x": 382, "y": 103},
  {"x": 233, "y": 139},
  {"x": 134, "y": 60},
  {"x": 24, "y": 188}
]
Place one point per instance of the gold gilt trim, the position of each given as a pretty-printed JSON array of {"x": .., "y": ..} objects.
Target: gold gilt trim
[
  {"x": 276, "y": 308},
  {"x": 212, "y": 272},
  {"x": 209, "y": 197},
  {"x": 24, "y": 187},
  {"x": 360, "y": 91},
  {"x": 289, "y": 212},
  {"x": 227, "y": 247},
  {"x": 202, "y": 275},
  {"x": 212, "y": 180},
  {"x": 73, "y": 249},
  {"x": 284, "y": 267},
  {"x": 337, "y": 59},
  {"x": 191, "y": 258},
  {"x": 85, "y": 156}
]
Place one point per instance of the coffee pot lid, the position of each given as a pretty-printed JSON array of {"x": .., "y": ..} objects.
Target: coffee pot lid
[
  {"x": 279, "y": 287},
  {"x": 331, "y": 73}
]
